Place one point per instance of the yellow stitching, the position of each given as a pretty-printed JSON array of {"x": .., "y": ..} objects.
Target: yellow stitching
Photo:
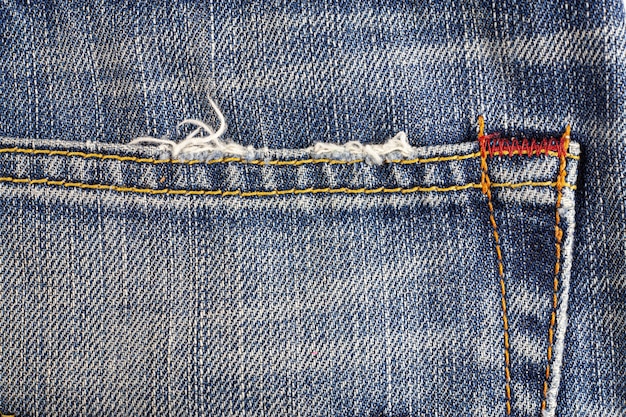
[
  {"x": 295, "y": 191},
  {"x": 226, "y": 160},
  {"x": 481, "y": 126},
  {"x": 240, "y": 160},
  {"x": 486, "y": 186},
  {"x": 558, "y": 234}
]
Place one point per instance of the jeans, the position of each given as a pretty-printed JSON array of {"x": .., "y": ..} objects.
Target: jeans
[{"x": 340, "y": 236}]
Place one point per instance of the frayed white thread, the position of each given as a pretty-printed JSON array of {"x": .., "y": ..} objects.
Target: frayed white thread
[
  {"x": 374, "y": 154},
  {"x": 199, "y": 141},
  {"x": 567, "y": 212},
  {"x": 204, "y": 139}
]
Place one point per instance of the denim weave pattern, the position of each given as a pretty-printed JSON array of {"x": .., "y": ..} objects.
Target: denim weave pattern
[
  {"x": 345, "y": 299},
  {"x": 118, "y": 300}
]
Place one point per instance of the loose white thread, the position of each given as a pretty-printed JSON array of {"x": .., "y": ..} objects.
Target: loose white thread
[
  {"x": 204, "y": 139},
  {"x": 375, "y": 154},
  {"x": 198, "y": 141}
]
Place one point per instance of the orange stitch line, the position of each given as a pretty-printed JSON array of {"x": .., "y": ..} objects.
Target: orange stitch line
[
  {"x": 558, "y": 234},
  {"x": 486, "y": 186},
  {"x": 298, "y": 162},
  {"x": 295, "y": 191},
  {"x": 90, "y": 155},
  {"x": 481, "y": 126}
]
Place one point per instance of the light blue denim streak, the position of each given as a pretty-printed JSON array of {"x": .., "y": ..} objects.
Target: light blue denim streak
[{"x": 115, "y": 300}]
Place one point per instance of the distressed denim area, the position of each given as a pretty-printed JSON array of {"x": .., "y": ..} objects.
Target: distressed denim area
[
  {"x": 287, "y": 75},
  {"x": 140, "y": 286}
]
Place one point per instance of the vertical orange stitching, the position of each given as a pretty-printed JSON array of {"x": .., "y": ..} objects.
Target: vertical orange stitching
[
  {"x": 481, "y": 126},
  {"x": 486, "y": 189},
  {"x": 558, "y": 234}
]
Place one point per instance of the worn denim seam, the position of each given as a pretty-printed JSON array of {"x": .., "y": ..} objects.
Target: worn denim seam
[
  {"x": 494, "y": 145},
  {"x": 226, "y": 193},
  {"x": 558, "y": 234},
  {"x": 86, "y": 155}
]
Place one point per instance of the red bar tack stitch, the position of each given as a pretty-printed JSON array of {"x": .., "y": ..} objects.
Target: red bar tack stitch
[{"x": 494, "y": 145}]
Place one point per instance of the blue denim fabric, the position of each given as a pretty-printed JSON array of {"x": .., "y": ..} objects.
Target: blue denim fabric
[
  {"x": 141, "y": 286},
  {"x": 118, "y": 300}
]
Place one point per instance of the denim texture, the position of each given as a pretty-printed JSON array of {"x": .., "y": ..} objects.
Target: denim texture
[
  {"x": 117, "y": 300},
  {"x": 127, "y": 300}
]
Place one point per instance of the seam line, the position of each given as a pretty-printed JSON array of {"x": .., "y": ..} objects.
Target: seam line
[
  {"x": 241, "y": 193},
  {"x": 486, "y": 186},
  {"x": 558, "y": 234},
  {"x": 102, "y": 156}
]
